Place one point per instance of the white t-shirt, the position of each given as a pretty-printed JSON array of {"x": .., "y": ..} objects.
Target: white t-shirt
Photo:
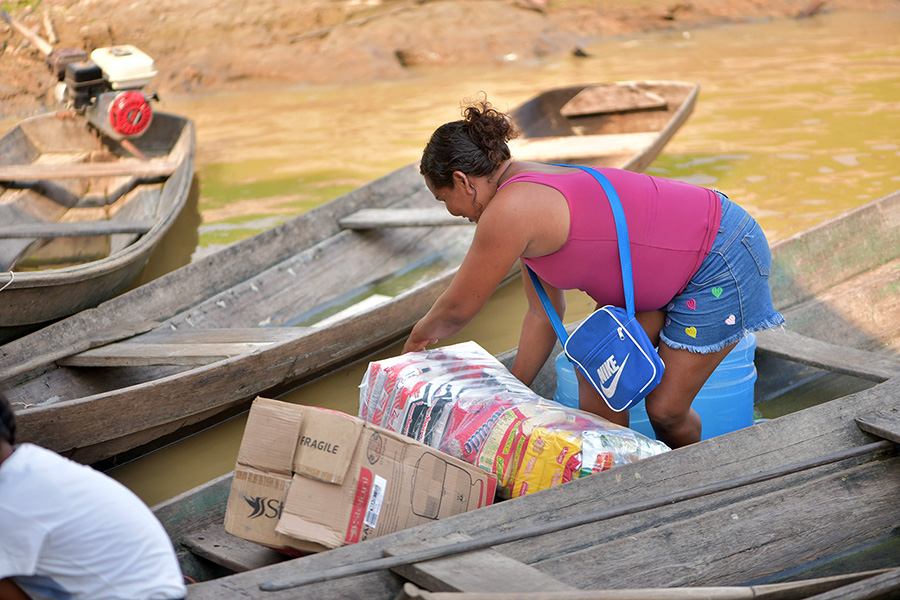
[{"x": 68, "y": 531}]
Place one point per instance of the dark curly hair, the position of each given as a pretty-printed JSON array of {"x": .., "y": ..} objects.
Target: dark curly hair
[
  {"x": 7, "y": 421},
  {"x": 475, "y": 145}
]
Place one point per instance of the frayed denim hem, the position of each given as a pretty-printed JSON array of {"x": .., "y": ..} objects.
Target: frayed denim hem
[{"x": 771, "y": 323}]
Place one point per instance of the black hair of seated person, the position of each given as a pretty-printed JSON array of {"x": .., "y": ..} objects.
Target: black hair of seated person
[{"x": 7, "y": 421}]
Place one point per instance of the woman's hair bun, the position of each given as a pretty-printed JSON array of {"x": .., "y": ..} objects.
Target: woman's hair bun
[{"x": 490, "y": 130}]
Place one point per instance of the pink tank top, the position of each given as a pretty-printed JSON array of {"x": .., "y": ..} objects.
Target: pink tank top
[{"x": 671, "y": 227}]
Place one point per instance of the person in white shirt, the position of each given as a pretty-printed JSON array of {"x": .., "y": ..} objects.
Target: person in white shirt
[{"x": 68, "y": 531}]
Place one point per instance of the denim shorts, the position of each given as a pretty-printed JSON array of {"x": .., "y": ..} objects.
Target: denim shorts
[{"x": 729, "y": 294}]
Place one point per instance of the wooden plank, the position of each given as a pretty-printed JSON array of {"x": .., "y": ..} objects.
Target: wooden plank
[
  {"x": 603, "y": 99},
  {"x": 194, "y": 347},
  {"x": 886, "y": 585},
  {"x": 792, "y": 590},
  {"x": 372, "y": 218},
  {"x": 270, "y": 335},
  {"x": 214, "y": 544},
  {"x": 473, "y": 572},
  {"x": 75, "y": 229},
  {"x": 798, "y": 348},
  {"x": 581, "y": 146},
  {"x": 882, "y": 423},
  {"x": 32, "y": 172},
  {"x": 153, "y": 355}
]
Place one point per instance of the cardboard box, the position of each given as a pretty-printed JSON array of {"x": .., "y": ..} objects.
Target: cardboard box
[{"x": 309, "y": 479}]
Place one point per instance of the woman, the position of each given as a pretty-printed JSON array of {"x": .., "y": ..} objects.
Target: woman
[{"x": 700, "y": 262}]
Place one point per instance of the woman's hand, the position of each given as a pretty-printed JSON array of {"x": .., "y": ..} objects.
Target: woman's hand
[{"x": 414, "y": 345}]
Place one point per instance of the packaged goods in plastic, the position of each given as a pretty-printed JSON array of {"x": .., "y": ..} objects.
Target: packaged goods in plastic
[{"x": 461, "y": 400}]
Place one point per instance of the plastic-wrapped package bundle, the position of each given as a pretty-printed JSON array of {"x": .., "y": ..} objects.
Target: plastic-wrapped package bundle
[{"x": 463, "y": 401}]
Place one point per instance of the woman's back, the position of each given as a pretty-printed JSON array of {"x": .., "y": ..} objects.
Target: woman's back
[{"x": 671, "y": 226}]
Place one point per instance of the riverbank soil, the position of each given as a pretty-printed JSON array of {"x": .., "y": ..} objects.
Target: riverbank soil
[{"x": 202, "y": 46}]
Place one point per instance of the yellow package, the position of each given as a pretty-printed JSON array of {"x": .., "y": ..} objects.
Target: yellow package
[{"x": 552, "y": 456}]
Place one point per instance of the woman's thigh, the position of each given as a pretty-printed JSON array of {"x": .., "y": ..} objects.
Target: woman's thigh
[{"x": 684, "y": 376}]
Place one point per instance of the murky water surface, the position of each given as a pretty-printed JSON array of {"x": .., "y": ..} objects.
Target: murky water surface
[{"x": 797, "y": 121}]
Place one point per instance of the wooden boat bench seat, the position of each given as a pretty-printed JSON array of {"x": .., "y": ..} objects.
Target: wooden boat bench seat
[
  {"x": 32, "y": 172},
  {"x": 848, "y": 586},
  {"x": 78, "y": 193},
  {"x": 191, "y": 347},
  {"x": 220, "y": 547},
  {"x": 543, "y": 149},
  {"x": 474, "y": 571},
  {"x": 792, "y": 346},
  {"x": 603, "y": 99},
  {"x": 72, "y": 229},
  {"x": 373, "y": 218},
  {"x": 882, "y": 423}
]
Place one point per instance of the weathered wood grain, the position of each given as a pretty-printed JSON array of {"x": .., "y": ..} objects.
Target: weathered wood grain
[
  {"x": 143, "y": 170},
  {"x": 372, "y": 218},
  {"x": 215, "y": 544},
  {"x": 49, "y": 230},
  {"x": 611, "y": 98},
  {"x": 195, "y": 347},
  {"x": 798, "y": 348},
  {"x": 883, "y": 423},
  {"x": 792, "y": 590},
  {"x": 479, "y": 571}
]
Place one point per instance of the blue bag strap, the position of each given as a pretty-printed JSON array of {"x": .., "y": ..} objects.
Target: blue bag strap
[
  {"x": 624, "y": 256},
  {"x": 548, "y": 306},
  {"x": 621, "y": 234}
]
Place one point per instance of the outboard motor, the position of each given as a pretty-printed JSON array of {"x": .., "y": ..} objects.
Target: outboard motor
[{"x": 108, "y": 89}]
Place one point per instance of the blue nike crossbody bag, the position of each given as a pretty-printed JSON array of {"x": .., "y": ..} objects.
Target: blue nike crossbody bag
[{"x": 610, "y": 348}]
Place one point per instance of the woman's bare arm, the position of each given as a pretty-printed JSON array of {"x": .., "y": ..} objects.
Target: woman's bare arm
[
  {"x": 537, "y": 339},
  {"x": 10, "y": 591},
  {"x": 494, "y": 252}
]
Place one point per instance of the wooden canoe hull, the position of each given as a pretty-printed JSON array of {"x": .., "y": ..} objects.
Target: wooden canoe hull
[
  {"x": 286, "y": 277},
  {"x": 35, "y": 297},
  {"x": 753, "y": 533}
]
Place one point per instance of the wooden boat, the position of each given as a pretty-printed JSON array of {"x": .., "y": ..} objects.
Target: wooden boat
[
  {"x": 323, "y": 288},
  {"x": 752, "y": 533},
  {"x": 81, "y": 214},
  {"x": 756, "y": 506}
]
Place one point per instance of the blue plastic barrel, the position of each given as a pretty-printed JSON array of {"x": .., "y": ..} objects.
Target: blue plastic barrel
[
  {"x": 566, "y": 382},
  {"x": 725, "y": 403}
]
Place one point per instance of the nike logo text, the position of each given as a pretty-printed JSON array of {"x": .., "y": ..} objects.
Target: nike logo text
[{"x": 610, "y": 369}]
